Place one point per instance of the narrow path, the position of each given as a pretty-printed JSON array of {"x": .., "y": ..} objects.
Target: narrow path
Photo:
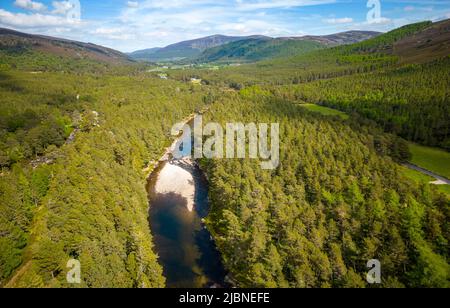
[{"x": 439, "y": 179}]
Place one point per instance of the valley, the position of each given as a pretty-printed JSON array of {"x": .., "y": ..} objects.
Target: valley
[{"x": 355, "y": 109}]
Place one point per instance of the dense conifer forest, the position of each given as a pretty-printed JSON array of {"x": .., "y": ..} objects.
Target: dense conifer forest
[{"x": 337, "y": 199}]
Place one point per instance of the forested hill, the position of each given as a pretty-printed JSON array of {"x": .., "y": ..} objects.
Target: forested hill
[
  {"x": 399, "y": 79},
  {"x": 187, "y": 49},
  {"x": 252, "y": 50},
  {"x": 343, "y": 38},
  {"x": 14, "y": 42},
  {"x": 264, "y": 48},
  {"x": 370, "y": 55}
]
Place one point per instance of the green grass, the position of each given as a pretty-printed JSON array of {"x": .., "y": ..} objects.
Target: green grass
[
  {"x": 423, "y": 178},
  {"x": 416, "y": 175},
  {"x": 432, "y": 159},
  {"x": 445, "y": 189},
  {"x": 325, "y": 110}
]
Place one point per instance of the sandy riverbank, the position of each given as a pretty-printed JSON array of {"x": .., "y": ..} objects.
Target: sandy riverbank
[{"x": 174, "y": 178}]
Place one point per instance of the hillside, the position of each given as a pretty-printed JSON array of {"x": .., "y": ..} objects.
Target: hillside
[
  {"x": 145, "y": 54},
  {"x": 432, "y": 43},
  {"x": 343, "y": 38},
  {"x": 403, "y": 87},
  {"x": 252, "y": 50},
  {"x": 17, "y": 42},
  {"x": 229, "y": 49},
  {"x": 186, "y": 49},
  {"x": 257, "y": 49},
  {"x": 366, "y": 56}
]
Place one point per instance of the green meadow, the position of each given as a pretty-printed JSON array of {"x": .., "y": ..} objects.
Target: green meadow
[
  {"x": 432, "y": 159},
  {"x": 325, "y": 110}
]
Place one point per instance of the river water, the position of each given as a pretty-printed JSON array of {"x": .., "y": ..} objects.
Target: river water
[{"x": 185, "y": 247}]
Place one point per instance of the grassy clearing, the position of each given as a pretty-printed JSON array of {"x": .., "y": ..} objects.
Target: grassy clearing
[
  {"x": 416, "y": 175},
  {"x": 432, "y": 159},
  {"x": 423, "y": 178},
  {"x": 445, "y": 189},
  {"x": 325, "y": 110}
]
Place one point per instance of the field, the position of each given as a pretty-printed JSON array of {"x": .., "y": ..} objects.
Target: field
[
  {"x": 432, "y": 159},
  {"x": 325, "y": 110}
]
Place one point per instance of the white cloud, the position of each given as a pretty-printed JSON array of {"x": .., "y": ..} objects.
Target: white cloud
[
  {"x": 33, "y": 20},
  {"x": 30, "y": 5},
  {"x": 114, "y": 33},
  {"x": 61, "y": 7},
  {"x": 409, "y": 8},
  {"x": 133, "y": 4},
  {"x": 344, "y": 20},
  {"x": 246, "y": 5},
  {"x": 380, "y": 21},
  {"x": 178, "y": 4}
]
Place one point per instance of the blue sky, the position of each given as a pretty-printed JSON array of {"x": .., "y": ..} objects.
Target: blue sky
[{"x": 138, "y": 24}]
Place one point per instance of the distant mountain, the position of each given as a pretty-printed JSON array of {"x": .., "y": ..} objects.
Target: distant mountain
[
  {"x": 343, "y": 38},
  {"x": 15, "y": 41},
  {"x": 144, "y": 54},
  {"x": 186, "y": 49},
  {"x": 257, "y": 49},
  {"x": 252, "y": 50}
]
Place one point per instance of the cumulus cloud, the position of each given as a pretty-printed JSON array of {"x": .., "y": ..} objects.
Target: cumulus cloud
[
  {"x": 114, "y": 33},
  {"x": 247, "y": 5},
  {"x": 30, "y": 5},
  {"x": 20, "y": 20},
  {"x": 344, "y": 20},
  {"x": 61, "y": 7},
  {"x": 133, "y": 4},
  {"x": 381, "y": 21}
]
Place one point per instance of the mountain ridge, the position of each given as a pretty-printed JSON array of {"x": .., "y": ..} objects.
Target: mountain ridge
[
  {"x": 192, "y": 49},
  {"x": 15, "y": 40},
  {"x": 186, "y": 49}
]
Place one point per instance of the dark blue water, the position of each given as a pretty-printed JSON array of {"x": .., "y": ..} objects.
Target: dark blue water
[{"x": 185, "y": 247}]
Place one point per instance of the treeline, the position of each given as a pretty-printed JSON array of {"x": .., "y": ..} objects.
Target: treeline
[
  {"x": 89, "y": 203},
  {"x": 334, "y": 203},
  {"x": 412, "y": 102}
]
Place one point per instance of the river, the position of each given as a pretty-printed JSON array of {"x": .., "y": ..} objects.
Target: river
[{"x": 178, "y": 194}]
